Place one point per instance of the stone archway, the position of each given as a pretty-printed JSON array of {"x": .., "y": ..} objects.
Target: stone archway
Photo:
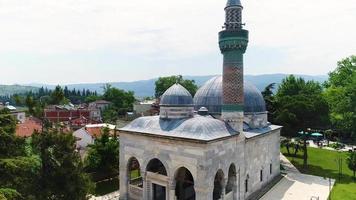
[
  {"x": 156, "y": 180},
  {"x": 184, "y": 184},
  {"x": 219, "y": 182},
  {"x": 135, "y": 183},
  {"x": 231, "y": 185}
]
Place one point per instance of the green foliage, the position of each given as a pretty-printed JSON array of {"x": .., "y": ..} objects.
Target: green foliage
[
  {"x": 20, "y": 173},
  {"x": 103, "y": 155},
  {"x": 61, "y": 173},
  {"x": 7, "y": 122},
  {"x": 110, "y": 115},
  {"x": 341, "y": 97},
  {"x": 299, "y": 105},
  {"x": 57, "y": 96},
  {"x": 163, "y": 83},
  {"x": 351, "y": 162},
  {"x": 122, "y": 102},
  {"x": 10, "y": 194}
]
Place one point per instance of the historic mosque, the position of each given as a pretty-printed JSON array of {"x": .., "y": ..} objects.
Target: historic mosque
[{"x": 217, "y": 145}]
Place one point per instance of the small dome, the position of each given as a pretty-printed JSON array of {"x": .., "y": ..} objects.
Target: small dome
[
  {"x": 176, "y": 95},
  {"x": 210, "y": 96},
  {"x": 233, "y": 3}
]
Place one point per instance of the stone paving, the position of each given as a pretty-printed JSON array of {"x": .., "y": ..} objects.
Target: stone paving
[{"x": 298, "y": 186}]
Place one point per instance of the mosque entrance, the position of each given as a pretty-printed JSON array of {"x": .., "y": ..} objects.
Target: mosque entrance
[
  {"x": 159, "y": 192},
  {"x": 184, "y": 185},
  {"x": 218, "y": 185},
  {"x": 157, "y": 180}
]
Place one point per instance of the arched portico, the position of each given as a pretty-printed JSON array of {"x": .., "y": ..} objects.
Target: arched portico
[
  {"x": 184, "y": 184},
  {"x": 157, "y": 181},
  {"x": 219, "y": 185},
  {"x": 231, "y": 189},
  {"x": 134, "y": 178}
]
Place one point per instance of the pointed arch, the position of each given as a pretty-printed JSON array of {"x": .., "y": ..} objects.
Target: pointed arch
[
  {"x": 218, "y": 185},
  {"x": 184, "y": 184}
]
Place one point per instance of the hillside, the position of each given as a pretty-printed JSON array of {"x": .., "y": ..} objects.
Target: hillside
[
  {"x": 6, "y": 90},
  {"x": 144, "y": 88}
]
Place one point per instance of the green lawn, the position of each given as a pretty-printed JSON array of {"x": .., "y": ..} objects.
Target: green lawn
[
  {"x": 323, "y": 163},
  {"x": 106, "y": 187}
]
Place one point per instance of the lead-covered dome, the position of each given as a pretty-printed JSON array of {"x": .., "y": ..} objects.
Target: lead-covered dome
[
  {"x": 176, "y": 103},
  {"x": 176, "y": 95},
  {"x": 210, "y": 96}
]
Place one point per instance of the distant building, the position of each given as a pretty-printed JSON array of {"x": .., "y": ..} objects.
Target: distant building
[
  {"x": 100, "y": 104},
  {"x": 20, "y": 115},
  {"x": 146, "y": 108},
  {"x": 89, "y": 133},
  {"x": 67, "y": 113},
  {"x": 28, "y": 127}
]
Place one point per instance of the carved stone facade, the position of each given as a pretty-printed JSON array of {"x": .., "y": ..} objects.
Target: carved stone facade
[{"x": 233, "y": 160}]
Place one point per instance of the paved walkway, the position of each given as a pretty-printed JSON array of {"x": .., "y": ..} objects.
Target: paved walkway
[
  {"x": 288, "y": 166},
  {"x": 297, "y": 186}
]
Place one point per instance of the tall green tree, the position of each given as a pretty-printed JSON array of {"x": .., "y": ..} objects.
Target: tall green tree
[
  {"x": 120, "y": 98},
  {"x": 103, "y": 155},
  {"x": 61, "y": 174},
  {"x": 351, "y": 163},
  {"x": 341, "y": 97},
  {"x": 163, "y": 83},
  {"x": 300, "y": 105},
  {"x": 57, "y": 95}
]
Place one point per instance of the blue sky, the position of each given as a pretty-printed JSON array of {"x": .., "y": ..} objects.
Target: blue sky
[{"x": 82, "y": 41}]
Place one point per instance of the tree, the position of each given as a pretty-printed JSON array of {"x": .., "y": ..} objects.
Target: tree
[
  {"x": 351, "y": 163},
  {"x": 300, "y": 105},
  {"x": 110, "y": 115},
  {"x": 270, "y": 100},
  {"x": 103, "y": 155},
  {"x": 57, "y": 96},
  {"x": 163, "y": 83},
  {"x": 341, "y": 97},
  {"x": 10, "y": 194},
  {"x": 61, "y": 174},
  {"x": 121, "y": 99}
]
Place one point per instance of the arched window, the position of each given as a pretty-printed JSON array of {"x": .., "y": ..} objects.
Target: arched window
[
  {"x": 231, "y": 181},
  {"x": 156, "y": 166},
  {"x": 184, "y": 184},
  {"x": 218, "y": 185},
  {"x": 134, "y": 172}
]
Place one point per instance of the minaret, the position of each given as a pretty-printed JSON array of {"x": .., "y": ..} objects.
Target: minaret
[{"x": 233, "y": 42}]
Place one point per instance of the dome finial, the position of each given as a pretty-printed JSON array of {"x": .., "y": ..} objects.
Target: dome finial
[{"x": 233, "y": 3}]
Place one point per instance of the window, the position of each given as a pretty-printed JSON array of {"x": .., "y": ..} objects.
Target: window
[
  {"x": 246, "y": 185},
  {"x": 270, "y": 168},
  {"x": 261, "y": 175}
]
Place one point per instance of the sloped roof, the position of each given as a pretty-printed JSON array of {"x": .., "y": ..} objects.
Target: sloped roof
[{"x": 204, "y": 128}]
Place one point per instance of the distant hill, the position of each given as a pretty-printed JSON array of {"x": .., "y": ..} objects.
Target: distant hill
[
  {"x": 6, "y": 90},
  {"x": 144, "y": 88}
]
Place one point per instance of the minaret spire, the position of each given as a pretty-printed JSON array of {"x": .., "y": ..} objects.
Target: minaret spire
[{"x": 233, "y": 43}]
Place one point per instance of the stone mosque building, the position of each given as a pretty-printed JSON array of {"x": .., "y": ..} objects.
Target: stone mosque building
[{"x": 217, "y": 145}]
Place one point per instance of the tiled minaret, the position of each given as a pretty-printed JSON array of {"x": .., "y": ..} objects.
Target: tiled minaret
[{"x": 233, "y": 42}]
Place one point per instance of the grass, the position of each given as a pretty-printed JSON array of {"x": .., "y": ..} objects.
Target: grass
[
  {"x": 323, "y": 163},
  {"x": 106, "y": 187}
]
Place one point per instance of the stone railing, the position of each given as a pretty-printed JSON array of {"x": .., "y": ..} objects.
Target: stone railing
[
  {"x": 229, "y": 196},
  {"x": 135, "y": 192}
]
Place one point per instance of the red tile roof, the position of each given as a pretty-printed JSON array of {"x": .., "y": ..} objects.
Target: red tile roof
[{"x": 27, "y": 128}]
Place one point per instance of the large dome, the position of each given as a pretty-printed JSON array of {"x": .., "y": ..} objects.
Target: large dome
[
  {"x": 176, "y": 95},
  {"x": 210, "y": 96}
]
